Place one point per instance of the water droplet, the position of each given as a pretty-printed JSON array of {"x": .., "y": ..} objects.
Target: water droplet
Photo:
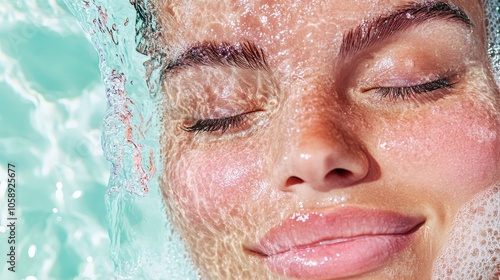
[{"x": 32, "y": 251}]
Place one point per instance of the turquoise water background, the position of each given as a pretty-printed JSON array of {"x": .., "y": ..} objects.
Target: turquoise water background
[
  {"x": 78, "y": 215},
  {"x": 52, "y": 104}
]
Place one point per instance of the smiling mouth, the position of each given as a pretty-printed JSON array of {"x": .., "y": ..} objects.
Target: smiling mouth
[
  {"x": 337, "y": 244},
  {"x": 341, "y": 240}
]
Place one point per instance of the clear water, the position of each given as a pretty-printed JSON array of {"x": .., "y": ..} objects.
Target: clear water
[
  {"x": 51, "y": 110},
  {"x": 51, "y": 119},
  {"x": 143, "y": 244}
]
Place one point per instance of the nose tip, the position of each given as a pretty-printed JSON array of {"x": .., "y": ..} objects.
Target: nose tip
[{"x": 325, "y": 165}]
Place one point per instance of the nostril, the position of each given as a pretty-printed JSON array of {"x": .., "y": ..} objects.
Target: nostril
[
  {"x": 340, "y": 172},
  {"x": 294, "y": 181}
]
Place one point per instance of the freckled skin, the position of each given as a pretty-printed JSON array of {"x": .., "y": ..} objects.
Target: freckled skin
[{"x": 313, "y": 113}]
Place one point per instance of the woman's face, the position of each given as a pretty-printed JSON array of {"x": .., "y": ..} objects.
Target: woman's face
[{"x": 325, "y": 139}]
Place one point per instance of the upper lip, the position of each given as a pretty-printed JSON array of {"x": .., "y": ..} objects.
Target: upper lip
[{"x": 307, "y": 229}]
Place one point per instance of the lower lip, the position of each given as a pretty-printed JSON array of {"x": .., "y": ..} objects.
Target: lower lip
[{"x": 347, "y": 258}]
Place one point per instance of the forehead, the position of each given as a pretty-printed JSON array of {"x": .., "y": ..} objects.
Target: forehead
[
  {"x": 296, "y": 35},
  {"x": 228, "y": 20}
]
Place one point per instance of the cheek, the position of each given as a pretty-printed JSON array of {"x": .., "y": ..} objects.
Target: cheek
[
  {"x": 467, "y": 152},
  {"x": 214, "y": 184},
  {"x": 451, "y": 151}
]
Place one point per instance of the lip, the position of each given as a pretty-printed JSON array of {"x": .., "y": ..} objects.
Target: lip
[{"x": 334, "y": 244}]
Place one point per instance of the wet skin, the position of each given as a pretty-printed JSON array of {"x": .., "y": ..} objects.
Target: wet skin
[{"x": 407, "y": 125}]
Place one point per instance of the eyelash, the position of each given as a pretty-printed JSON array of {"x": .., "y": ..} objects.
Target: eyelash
[
  {"x": 213, "y": 125},
  {"x": 413, "y": 91},
  {"x": 224, "y": 124}
]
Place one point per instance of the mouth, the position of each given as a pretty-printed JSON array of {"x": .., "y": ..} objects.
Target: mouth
[{"x": 342, "y": 243}]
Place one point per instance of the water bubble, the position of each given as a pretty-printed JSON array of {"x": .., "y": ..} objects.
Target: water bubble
[
  {"x": 32, "y": 251},
  {"x": 493, "y": 15},
  {"x": 76, "y": 194},
  {"x": 472, "y": 250}
]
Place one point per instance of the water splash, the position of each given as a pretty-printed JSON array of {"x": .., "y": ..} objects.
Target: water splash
[
  {"x": 143, "y": 244},
  {"x": 493, "y": 15}
]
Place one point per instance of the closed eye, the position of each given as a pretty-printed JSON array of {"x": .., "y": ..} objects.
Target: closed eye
[
  {"x": 416, "y": 91},
  {"x": 214, "y": 125}
]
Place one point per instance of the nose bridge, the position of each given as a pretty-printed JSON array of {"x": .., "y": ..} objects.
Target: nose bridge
[{"x": 322, "y": 151}]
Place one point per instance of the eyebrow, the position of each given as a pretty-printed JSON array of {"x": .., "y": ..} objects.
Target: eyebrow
[
  {"x": 246, "y": 55},
  {"x": 371, "y": 32}
]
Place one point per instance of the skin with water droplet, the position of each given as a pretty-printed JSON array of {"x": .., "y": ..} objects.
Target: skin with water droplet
[{"x": 314, "y": 112}]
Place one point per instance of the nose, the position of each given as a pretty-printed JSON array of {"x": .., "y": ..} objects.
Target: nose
[{"x": 324, "y": 159}]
